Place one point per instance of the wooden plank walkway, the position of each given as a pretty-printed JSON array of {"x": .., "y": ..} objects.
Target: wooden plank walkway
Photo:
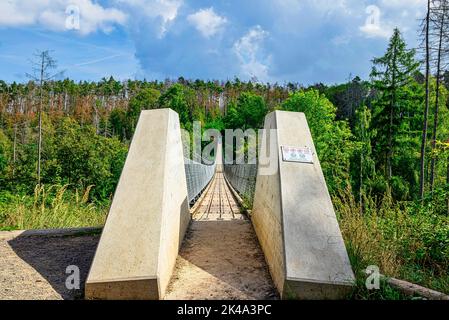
[{"x": 218, "y": 203}]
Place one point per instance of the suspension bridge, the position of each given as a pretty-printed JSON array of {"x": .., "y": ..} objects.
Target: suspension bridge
[{"x": 176, "y": 228}]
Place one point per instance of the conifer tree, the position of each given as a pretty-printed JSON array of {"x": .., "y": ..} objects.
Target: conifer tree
[{"x": 390, "y": 74}]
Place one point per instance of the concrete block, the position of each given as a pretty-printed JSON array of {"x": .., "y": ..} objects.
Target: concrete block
[
  {"x": 148, "y": 216},
  {"x": 295, "y": 221}
]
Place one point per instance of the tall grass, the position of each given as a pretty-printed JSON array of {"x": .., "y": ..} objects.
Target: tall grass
[
  {"x": 402, "y": 241},
  {"x": 50, "y": 207}
]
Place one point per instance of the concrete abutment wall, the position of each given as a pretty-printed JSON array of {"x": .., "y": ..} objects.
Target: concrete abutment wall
[
  {"x": 294, "y": 218},
  {"x": 148, "y": 216}
]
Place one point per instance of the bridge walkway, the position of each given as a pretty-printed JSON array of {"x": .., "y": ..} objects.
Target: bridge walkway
[
  {"x": 220, "y": 257},
  {"x": 218, "y": 203}
]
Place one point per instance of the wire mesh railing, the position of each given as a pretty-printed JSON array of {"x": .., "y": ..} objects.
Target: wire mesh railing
[
  {"x": 242, "y": 177},
  {"x": 198, "y": 176}
]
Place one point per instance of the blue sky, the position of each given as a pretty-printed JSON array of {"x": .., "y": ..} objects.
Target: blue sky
[{"x": 305, "y": 41}]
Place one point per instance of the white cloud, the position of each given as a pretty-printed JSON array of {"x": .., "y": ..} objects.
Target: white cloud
[
  {"x": 165, "y": 10},
  {"x": 207, "y": 22},
  {"x": 248, "y": 50},
  {"x": 376, "y": 31},
  {"x": 51, "y": 14}
]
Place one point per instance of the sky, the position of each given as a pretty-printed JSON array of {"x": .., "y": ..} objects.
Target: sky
[{"x": 303, "y": 41}]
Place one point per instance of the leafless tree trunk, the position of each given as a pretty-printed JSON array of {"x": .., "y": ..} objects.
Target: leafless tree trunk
[
  {"x": 14, "y": 155},
  {"x": 441, "y": 18},
  {"x": 426, "y": 107},
  {"x": 39, "y": 146},
  {"x": 41, "y": 67}
]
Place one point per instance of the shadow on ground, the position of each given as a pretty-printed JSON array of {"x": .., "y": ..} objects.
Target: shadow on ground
[
  {"x": 221, "y": 260},
  {"x": 51, "y": 255}
]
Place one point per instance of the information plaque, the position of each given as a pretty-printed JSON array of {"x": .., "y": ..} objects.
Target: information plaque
[{"x": 295, "y": 154}]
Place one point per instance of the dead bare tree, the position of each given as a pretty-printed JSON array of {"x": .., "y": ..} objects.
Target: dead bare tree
[
  {"x": 42, "y": 64},
  {"x": 425, "y": 34},
  {"x": 439, "y": 26}
]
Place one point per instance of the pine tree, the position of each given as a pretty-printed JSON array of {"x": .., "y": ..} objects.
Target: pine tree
[{"x": 390, "y": 74}]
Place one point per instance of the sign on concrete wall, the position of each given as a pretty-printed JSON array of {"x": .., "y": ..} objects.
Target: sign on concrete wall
[{"x": 295, "y": 154}]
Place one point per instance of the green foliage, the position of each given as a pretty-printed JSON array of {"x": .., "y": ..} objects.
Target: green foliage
[
  {"x": 5, "y": 147},
  {"x": 396, "y": 111},
  {"x": 178, "y": 98},
  {"x": 348, "y": 97},
  {"x": 332, "y": 138},
  {"x": 363, "y": 164},
  {"x": 119, "y": 123},
  {"x": 50, "y": 207},
  {"x": 215, "y": 121},
  {"x": 396, "y": 237},
  {"x": 74, "y": 155},
  {"x": 145, "y": 100},
  {"x": 248, "y": 112},
  {"x": 124, "y": 121},
  {"x": 83, "y": 158}
]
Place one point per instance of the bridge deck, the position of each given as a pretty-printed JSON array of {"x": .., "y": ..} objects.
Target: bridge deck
[
  {"x": 220, "y": 257},
  {"x": 218, "y": 202}
]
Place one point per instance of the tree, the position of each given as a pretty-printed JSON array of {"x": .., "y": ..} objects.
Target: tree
[
  {"x": 178, "y": 98},
  {"x": 5, "y": 146},
  {"x": 446, "y": 85},
  {"x": 426, "y": 105},
  {"x": 348, "y": 97},
  {"x": 332, "y": 138},
  {"x": 390, "y": 73},
  {"x": 144, "y": 100},
  {"x": 362, "y": 133},
  {"x": 42, "y": 65},
  {"x": 439, "y": 18},
  {"x": 248, "y": 112}
]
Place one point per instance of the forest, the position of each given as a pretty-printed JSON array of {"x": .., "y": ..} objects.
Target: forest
[{"x": 383, "y": 144}]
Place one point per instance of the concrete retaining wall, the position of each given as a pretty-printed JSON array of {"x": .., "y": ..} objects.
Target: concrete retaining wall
[
  {"x": 295, "y": 221},
  {"x": 148, "y": 217}
]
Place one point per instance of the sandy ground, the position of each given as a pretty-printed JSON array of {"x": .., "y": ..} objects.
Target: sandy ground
[
  {"x": 221, "y": 260},
  {"x": 34, "y": 267}
]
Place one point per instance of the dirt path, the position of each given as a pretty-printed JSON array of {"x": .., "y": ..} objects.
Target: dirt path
[
  {"x": 220, "y": 257},
  {"x": 33, "y": 267}
]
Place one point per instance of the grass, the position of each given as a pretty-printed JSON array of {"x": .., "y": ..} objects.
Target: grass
[
  {"x": 405, "y": 243},
  {"x": 50, "y": 207}
]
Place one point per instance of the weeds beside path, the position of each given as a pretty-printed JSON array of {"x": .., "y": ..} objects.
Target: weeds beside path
[
  {"x": 408, "y": 244},
  {"x": 50, "y": 207}
]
